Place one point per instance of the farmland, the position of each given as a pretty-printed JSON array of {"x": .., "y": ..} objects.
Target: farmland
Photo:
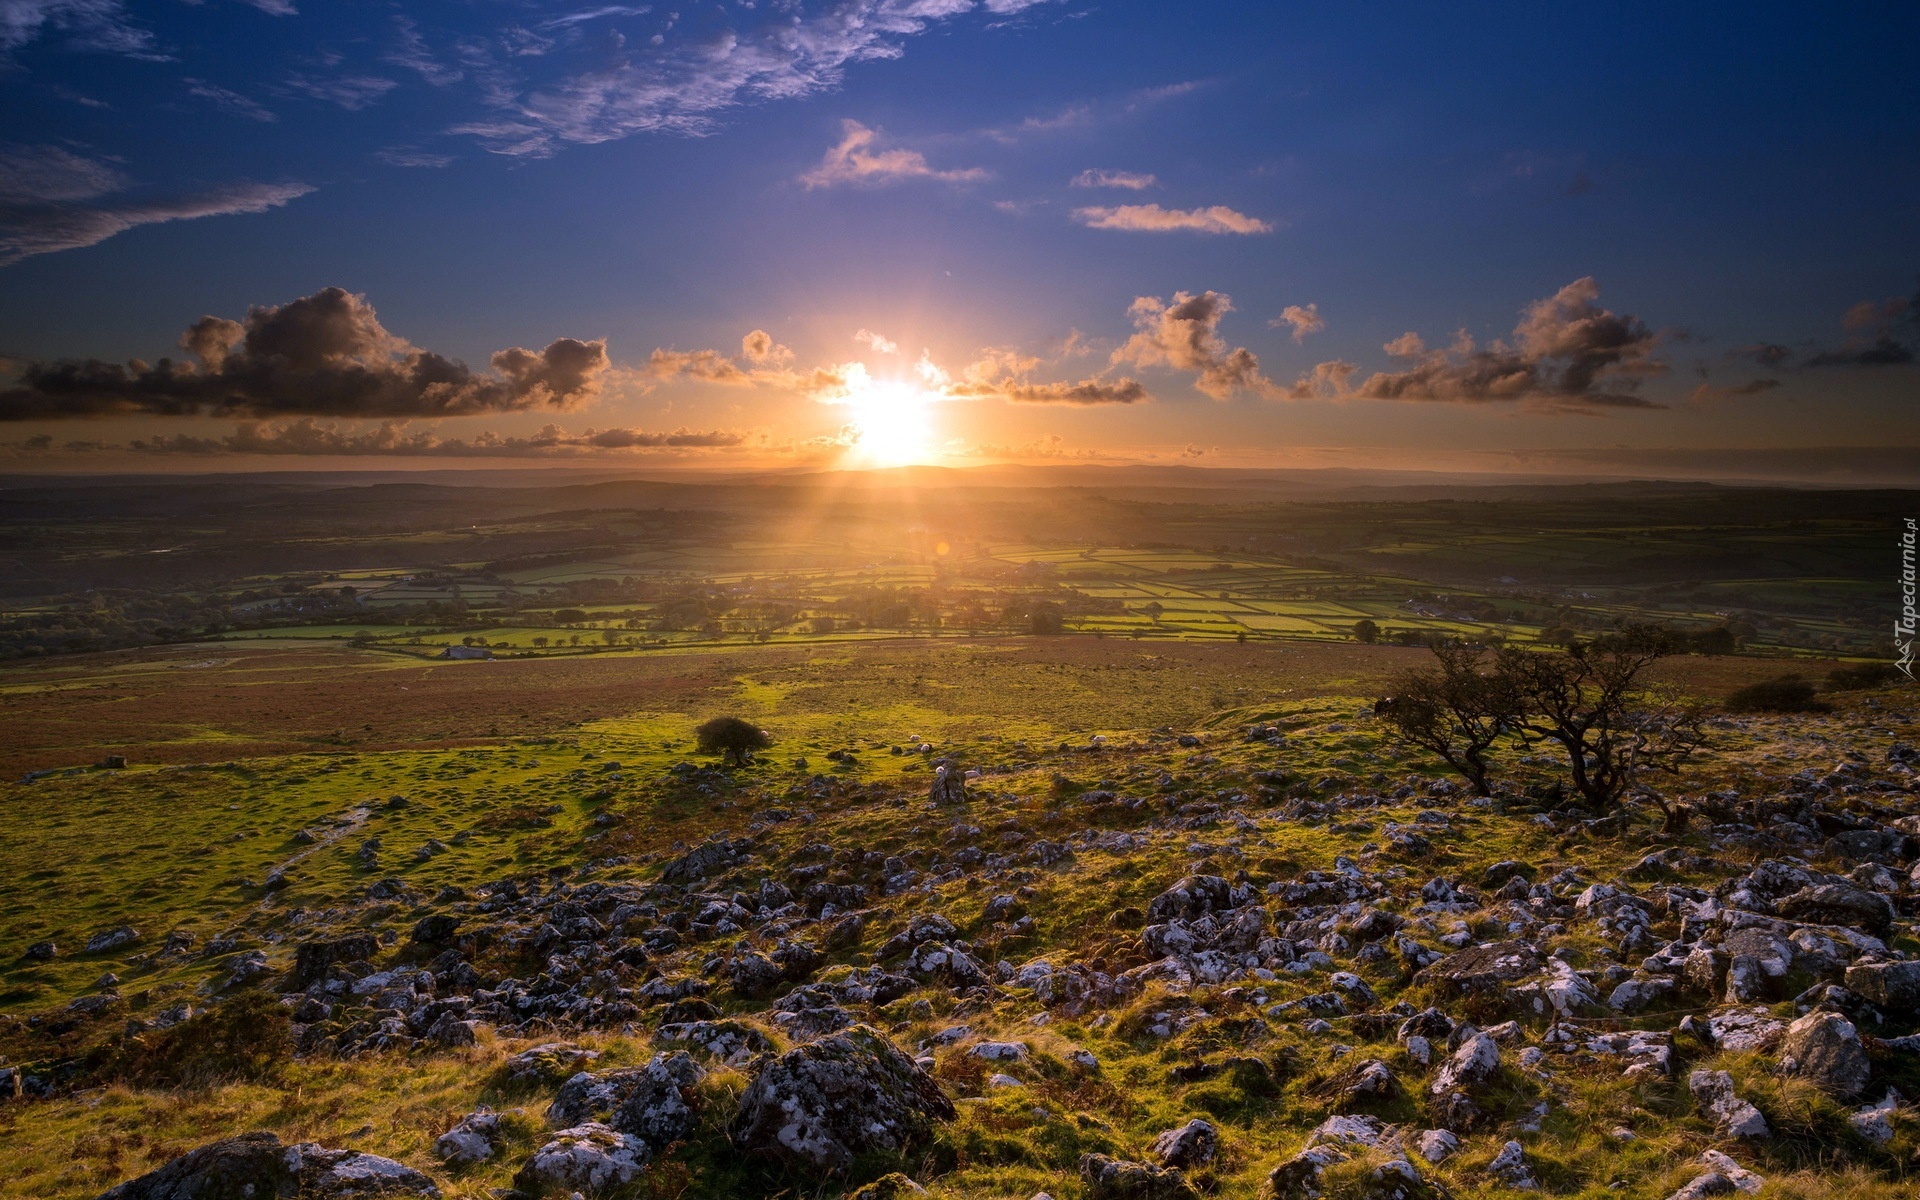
[{"x": 589, "y": 568}]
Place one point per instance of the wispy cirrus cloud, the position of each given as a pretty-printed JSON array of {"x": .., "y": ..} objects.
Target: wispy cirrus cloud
[
  {"x": 669, "y": 81},
  {"x": 101, "y": 26},
  {"x": 351, "y": 92},
  {"x": 1151, "y": 218},
  {"x": 858, "y": 158},
  {"x": 53, "y": 199},
  {"x": 1093, "y": 177},
  {"x": 230, "y": 101}
]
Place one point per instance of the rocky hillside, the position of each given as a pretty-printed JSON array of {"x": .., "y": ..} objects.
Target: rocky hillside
[{"x": 1285, "y": 959}]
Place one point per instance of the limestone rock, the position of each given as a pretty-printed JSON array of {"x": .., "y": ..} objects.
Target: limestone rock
[
  {"x": 258, "y": 1165},
  {"x": 1824, "y": 1048},
  {"x": 1732, "y": 1116},
  {"x": 586, "y": 1158},
  {"x": 821, "y": 1103}
]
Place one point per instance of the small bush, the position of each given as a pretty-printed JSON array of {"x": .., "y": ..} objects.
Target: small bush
[
  {"x": 731, "y": 736},
  {"x": 1782, "y": 694}
]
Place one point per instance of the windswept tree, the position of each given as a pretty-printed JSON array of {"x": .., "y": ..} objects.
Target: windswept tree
[
  {"x": 1456, "y": 709},
  {"x": 1594, "y": 701},
  {"x": 732, "y": 737}
]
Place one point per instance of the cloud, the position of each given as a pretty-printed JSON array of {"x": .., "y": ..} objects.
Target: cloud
[
  {"x": 407, "y": 156},
  {"x": 758, "y": 347},
  {"x": 351, "y": 92},
  {"x": 856, "y": 160},
  {"x": 1303, "y": 320},
  {"x": 412, "y": 52},
  {"x": 53, "y": 199},
  {"x": 880, "y": 345},
  {"x": 1078, "y": 392},
  {"x": 1093, "y": 177},
  {"x": 1566, "y": 352},
  {"x": 1706, "y": 393},
  {"x": 96, "y": 25},
  {"x": 323, "y": 355},
  {"x": 307, "y": 437},
  {"x": 1151, "y": 218},
  {"x": 1767, "y": 354},
  {"x": 673, "y": 83},
  {"x": 1882, "y": 333},
  {"x": 277, "y": 8},
  {"x": 230, "y": 101},
  {"x": 763, "y": 363},
  {"x": 1185, "y": 335}
]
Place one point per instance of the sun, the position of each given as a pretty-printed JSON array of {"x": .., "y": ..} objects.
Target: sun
[{"x": 894, "y": 420}]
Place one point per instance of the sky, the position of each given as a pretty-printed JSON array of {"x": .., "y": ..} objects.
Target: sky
[{"x": 873, "y": 232}]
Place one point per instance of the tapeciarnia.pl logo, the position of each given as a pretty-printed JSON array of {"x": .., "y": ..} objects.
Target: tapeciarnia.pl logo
[{"x": 1903, "y": 625}]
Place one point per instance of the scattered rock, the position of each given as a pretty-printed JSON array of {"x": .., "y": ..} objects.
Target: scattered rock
[
  {"x": 1188, "y": 1146},
  {"x": 822, "y": 1103},
  {"x": 1732, "y": 1116},
  {"x": 1104, "y": 1178},
  {"x": 258, "y": 1165},
  {"x": 1824, "y": 1048},
  {"x": 586, "y": 1158}
]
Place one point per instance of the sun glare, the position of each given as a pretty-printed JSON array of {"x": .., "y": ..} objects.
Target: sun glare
[{"x": 894, "y": 420}]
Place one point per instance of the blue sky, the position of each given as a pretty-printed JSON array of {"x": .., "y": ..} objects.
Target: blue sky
[{"x": 1658, "y": 225}]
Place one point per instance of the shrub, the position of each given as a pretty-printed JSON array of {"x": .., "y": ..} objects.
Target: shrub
[
  {"x": 1781, "y": 694},
  {"x": 731, "y": 736}
]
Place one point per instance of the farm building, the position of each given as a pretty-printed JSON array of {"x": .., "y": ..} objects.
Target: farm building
[{"x": 466, "y": 652}]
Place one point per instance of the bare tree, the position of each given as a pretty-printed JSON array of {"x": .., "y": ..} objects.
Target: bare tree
[
  {"x": 1593, "y": 701},
  {"x": 1456, "y": 710}
]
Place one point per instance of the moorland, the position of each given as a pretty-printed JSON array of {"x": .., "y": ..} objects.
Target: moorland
[{"x": 1081, "y": 858}]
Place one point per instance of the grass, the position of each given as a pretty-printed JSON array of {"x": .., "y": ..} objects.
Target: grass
[{"x": 185, "y": 845}]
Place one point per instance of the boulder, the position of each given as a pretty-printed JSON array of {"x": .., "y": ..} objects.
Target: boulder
[
  {"x": 891, "y": 1186},
  {"x": 593, "y": 1095},
  {"x": 475, "y": 1139},
  {"x": 1368, "y": 1081},
  {"x": 1469, "y": 1068},
  {"x": 1437, "y": 1145},
  {"x": 1732, "y": 1116},
  {"x": 112, "y": 939},
  {"x": 1302, "y": 1177},
  {"x": 949, "y": 786},
  {"x": 546, "y": 1063},
  {"x": 311, "y": 960},
  {"x": 1510, "y": 1167},
  {"x": 662, "y": 1108},
  {"x": 1840, "y": 904},
  {"x": 1892, "y": 986},
  {"x": 586, "y": 1158},
  {"x": 1197, "y": 896},
  {"x": 1713, "y": 1183},
  {"x": 824, "y": 1102},
  {"x": 1104, "y": 1178},
  {"x": 1824, "y": 1048},
  {"x": 1188, "y": 1146},
  {"x": 1483, "y": 968},
  {"x": 256, "y": 1166}
]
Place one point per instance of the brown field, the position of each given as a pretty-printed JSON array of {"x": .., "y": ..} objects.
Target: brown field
[{"x": 219, "y": 701}]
